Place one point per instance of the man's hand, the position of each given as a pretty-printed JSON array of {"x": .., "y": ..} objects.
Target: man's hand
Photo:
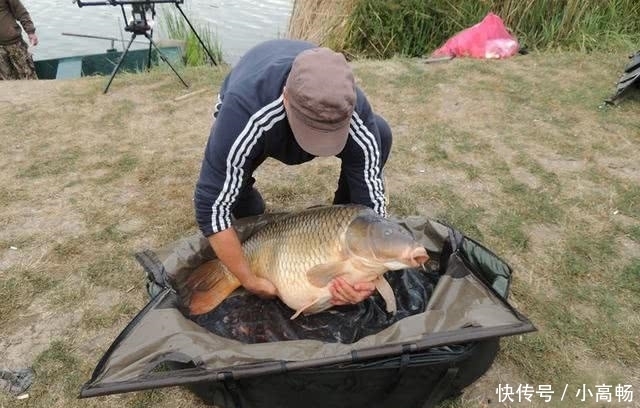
[
  {"x": 261, "y": 287},
  {"x": 344, "y": 294},
  {"x": 33, "y": 39}
]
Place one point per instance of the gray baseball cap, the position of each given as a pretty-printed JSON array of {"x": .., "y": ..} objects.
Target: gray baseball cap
[{"x": 321, "y": 97}]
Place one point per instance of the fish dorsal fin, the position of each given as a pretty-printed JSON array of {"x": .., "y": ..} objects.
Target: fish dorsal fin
[
  {"x": 321, "y": 275},
  {"x": 386, "y": 292}
]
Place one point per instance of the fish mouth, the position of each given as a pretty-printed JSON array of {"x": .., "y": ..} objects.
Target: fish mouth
[
  {"x": 413, "y": 258},
  {"x": 418, "y": 257}
]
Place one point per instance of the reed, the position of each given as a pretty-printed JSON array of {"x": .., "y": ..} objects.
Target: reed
[
  {"x": 321, "y": 21},
  {"x": 584, "y": 25},
  {"x": 383, "y": 28},
  {"x": 175, "y": 27}
]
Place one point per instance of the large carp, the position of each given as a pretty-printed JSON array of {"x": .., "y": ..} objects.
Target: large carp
[{"x": 301, "y": 252}]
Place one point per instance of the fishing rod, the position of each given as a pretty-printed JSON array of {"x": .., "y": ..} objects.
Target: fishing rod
[
  {"x": 122, "y": 2},
  {"x": 112, "y": 39}
]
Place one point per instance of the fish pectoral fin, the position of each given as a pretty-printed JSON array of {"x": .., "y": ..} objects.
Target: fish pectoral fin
[
  {"x": 321, "y": 275},
  {"x": 386, "y": 292},
  {"x": 315, "y": 306}
]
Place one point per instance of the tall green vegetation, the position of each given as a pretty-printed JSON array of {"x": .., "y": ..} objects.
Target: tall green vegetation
[
  {"x": 176, "y": 27},
  {"x": 584, "y": 25},
  {"x": 382, "y": 28}
]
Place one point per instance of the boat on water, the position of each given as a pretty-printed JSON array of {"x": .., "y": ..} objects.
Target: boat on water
[{"x": 103, "y": 64}]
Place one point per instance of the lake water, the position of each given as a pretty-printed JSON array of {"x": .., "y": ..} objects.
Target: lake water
[{"x": 239, "y": 24}]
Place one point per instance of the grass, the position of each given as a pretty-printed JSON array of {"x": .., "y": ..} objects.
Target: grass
[
  {"x": 18, "y": 286},
  {"x": 178, "y": 29},
  {"x": 384, "y": 28},
  {"x": 95, "y": 319},
  {"x": 59, "y": 358},
  {"x": 515, "y": 153},
  {"x": 53, "y": 166}
]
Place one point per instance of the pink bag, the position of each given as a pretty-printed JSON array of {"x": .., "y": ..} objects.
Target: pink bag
[{"x": 487, "y": 39}]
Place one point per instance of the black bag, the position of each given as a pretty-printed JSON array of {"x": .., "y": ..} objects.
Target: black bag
[{"x": 411, "y": 379}]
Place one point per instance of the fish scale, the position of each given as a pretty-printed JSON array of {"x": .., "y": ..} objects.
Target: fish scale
[
  {"x": 297, "y": 244},
  {"x": 300, "y": 253}
]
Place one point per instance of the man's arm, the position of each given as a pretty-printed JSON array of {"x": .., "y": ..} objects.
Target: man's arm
[
  {"x": 362, "y": 166},
  {"x": 228, "y": 249},
  {"x": 227, "y": 157},
  {"x": 22, "y": 15},
  {"x": 362, "y": 163}
]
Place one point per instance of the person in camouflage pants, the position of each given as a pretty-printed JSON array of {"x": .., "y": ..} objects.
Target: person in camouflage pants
[{"x": 15, "y": 60}]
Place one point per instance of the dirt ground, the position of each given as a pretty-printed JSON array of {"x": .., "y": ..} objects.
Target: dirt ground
[{"x": 520, "y": 154}]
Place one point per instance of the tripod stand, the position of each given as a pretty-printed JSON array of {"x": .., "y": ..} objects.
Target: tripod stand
[{"x": 140, "y": 26}]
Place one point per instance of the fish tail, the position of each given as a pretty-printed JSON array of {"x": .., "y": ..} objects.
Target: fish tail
[{"x": 206, "y": 287}]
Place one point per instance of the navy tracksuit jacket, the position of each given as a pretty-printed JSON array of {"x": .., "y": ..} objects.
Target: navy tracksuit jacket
[{"x": 251, "y": 125}]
